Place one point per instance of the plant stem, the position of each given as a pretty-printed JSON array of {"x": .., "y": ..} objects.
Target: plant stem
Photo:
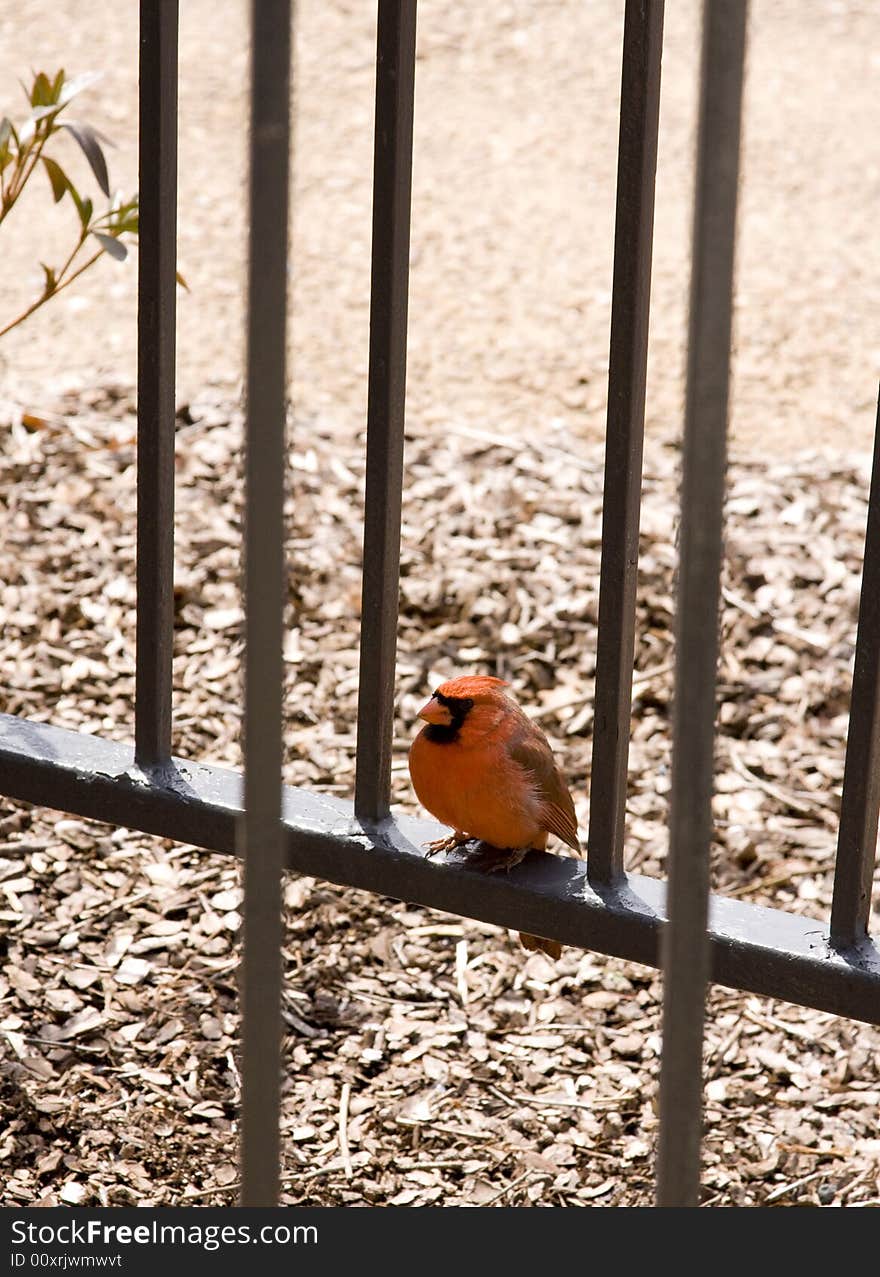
[
  {"x": 23, "y": 170},
  {"x": 66, "y": 267},
  {"x": 34, "y": 154},
  {"x": 25, "y": 314}
]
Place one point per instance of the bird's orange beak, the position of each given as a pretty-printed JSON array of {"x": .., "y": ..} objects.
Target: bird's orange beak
[{"x": 433, "y": 712}]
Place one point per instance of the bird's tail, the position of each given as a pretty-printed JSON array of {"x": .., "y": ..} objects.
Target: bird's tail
[{"x": 551, "y": 947}]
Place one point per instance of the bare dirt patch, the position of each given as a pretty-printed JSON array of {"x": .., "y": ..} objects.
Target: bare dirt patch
[{"x": 513, "y": 214}]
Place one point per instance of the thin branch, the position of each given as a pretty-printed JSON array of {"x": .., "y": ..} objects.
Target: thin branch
[
  {"x": 25, "y": 163},
  {"x": 41, "y": 301},
  {"x": 33, "y": 153}
]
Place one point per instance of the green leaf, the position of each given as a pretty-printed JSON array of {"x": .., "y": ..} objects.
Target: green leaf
[
  {"x": 76, "y": 197},
  {"x": 122, "y": 216},
  {"x": 51, "y": 280},
  {"x": 26, "y": 132},
  {"x": 87, "y": 138},
  {"x": 41, "y": 91},
  {"x": 79, "y": 82},
  {"x": 126, "y": 222},
  {"x": 41, "y": 112},
  {"x": 111, "y": 245},
  {"x": 83, "y": 206},
  {"x": 5, "y": 135},
  {"x": 58, "y": 85},
  {"x": 181, "y": 280},
  {"x": 58, "y": 178}
]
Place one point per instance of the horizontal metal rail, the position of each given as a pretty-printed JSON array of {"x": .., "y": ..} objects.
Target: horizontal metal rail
[{"x": 764, "y": 951}]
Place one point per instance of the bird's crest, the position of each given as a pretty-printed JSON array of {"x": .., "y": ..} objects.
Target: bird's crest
[{"x": 471, "y": 686}]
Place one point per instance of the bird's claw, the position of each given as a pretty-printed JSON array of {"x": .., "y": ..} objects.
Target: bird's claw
[
  {"x": 508, "y": 859},
  {"x": 445, "y": 844}
]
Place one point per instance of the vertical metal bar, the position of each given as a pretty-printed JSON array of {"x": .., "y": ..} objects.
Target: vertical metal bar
[
  {"x": 157, "y": 260},
  {"x": 857, "y": 836},
  {"x": 392, "y": 184},
  {"x": 627, "y": 372},
  {"x": 685, "y": 946},
  {"x": 264, "y": 596}
]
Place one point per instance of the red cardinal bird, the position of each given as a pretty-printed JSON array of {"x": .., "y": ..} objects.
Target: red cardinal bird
[{"x": 482, "y": 767}]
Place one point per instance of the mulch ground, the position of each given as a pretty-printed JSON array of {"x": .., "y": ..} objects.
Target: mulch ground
[{"x": 428, "y": 1059}]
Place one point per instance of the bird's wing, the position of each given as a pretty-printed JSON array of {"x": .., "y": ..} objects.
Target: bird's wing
[{"x": 529, "y": 748}]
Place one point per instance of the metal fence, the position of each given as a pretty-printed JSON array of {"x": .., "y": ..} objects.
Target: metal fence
[{"x": 834, "y": 967}]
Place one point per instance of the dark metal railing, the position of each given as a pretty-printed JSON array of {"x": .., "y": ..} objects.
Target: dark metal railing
[
  {"x": 860, "y": 805},
  {"x": 265, "y": 591},
  {"x": 704, "y": 461},
  {"x": 627, "y": 376},
  {"x": 389, "y": 295},
  {"x": 157, "y": 323},
  {"x": 765, "y": 951}
]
